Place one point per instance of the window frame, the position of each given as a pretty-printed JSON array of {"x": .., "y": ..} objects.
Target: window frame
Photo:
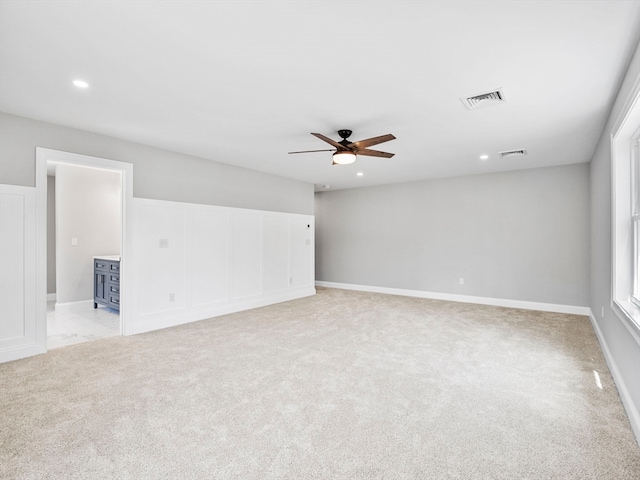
[
  {"x": 625, "y": 227},
  {"x": 635, "y": 214}
]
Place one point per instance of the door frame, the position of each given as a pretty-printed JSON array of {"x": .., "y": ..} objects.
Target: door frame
[{"x": 43, "y": 157}]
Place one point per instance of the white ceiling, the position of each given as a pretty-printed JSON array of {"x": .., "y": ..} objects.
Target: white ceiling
[{"x": 245, "y": 82}]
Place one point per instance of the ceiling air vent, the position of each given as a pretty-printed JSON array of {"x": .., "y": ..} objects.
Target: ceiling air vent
[
  {"x": 486, "y": 99},
  {"x": 513, "y": 153}
]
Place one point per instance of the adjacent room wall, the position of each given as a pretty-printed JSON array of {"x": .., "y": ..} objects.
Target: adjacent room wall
[
  {"x": 619, "y": 343},
  {"x": 89, "y": 210},
  {"x": 158, "y": 174},
  {"x": 520, "y": 235}
]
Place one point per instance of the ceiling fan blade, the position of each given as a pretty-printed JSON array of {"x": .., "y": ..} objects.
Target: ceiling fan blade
[
  {"x": 373, "y": 141},
  {"x": 374, "y": 153},
  {"x": 311, "y": 151},
  {"x": 329, "y": 141}
]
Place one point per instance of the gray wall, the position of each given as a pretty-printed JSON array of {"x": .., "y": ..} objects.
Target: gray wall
[
  {"x": 89, "y": 209},
  {"x": 518, "y": 235},
  {"x": 158, "y": 174},
  {"x": 624, "y": 349}
]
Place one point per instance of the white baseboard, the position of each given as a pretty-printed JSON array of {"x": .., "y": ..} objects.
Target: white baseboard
[
  {"x": 498, "y": 302},
  {"x": 69, "y": 305},
  {"x": 21, "y": 351},
  {"x": 627, "y": 400},
  {"x": 156, "y": 321}
]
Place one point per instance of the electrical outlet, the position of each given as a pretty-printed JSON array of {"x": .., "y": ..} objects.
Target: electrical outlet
[
  {"x": 461, "y": 281},
  {"x": 164, "y": 243},
  {"x": 602, "y": 312},
  {"x": 172, "y": 297},
  {"x": 74, "y": 242}
]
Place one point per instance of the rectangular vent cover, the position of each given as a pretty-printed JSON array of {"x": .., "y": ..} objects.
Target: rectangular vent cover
[
  {"x": 486, "y": 99},
  {"x": 513, "y": 153}
]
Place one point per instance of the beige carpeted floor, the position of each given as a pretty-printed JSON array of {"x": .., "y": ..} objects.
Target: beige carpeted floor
[{"x": 342, "y": 385}]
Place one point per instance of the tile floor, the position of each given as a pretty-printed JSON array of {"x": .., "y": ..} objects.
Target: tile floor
[{"x": 79, "y": 323}]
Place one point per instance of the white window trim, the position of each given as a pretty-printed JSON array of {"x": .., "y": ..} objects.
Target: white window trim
[
  {"x": 635, "y": 212},
  {"x": 623, "y": 252}
]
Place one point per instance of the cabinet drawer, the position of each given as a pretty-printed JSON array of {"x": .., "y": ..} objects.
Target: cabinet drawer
[
  {"x": 114, "y": 279},
  {"x": 115, "y": 267},
  {"x": 114, "y": 289},
  {"x": 114, "y": 299},
  {"x": 101, "y": 265}
]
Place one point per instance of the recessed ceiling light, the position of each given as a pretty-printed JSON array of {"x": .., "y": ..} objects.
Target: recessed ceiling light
[
  {"x": 81, "y": 84},
  {"x": 360, "y": 174},
  {"x": 484, "y": 157}
]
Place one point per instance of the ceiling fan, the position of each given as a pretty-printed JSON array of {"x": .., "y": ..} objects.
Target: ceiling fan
[{"x": 346, "y": 151}]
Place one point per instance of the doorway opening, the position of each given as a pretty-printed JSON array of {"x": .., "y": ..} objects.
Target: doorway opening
[
  {"x": 83, "y": 208},
  {"x": 84, "y": 233}
]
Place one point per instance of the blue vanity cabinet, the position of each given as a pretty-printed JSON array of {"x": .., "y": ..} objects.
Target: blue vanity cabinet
[{"x": 106, "y": 282}]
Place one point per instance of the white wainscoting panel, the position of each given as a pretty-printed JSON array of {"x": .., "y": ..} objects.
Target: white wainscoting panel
[
  {"x": 209, "y": 256},
  {"x": 161, "y": 267},
  {"x": 301, "y": 234},
  {"x": 215, "y": 260},
  {"x": 246, "y": 255},
  {"x": 19, "y": 335},
  {"x": 276, "y": 253}
]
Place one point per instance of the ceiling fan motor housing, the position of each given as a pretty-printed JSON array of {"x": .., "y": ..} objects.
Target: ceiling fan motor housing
[{"x": 345, "y": 133}]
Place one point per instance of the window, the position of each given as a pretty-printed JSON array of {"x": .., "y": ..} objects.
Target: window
[
  {"x": 635, "y": 213},
  {"x": 625, "y": 174}
]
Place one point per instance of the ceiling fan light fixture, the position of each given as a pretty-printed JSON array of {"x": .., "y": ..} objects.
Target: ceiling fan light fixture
[
  {"x": 344, "y": 158},
  {"x": 346, "y": 152}
]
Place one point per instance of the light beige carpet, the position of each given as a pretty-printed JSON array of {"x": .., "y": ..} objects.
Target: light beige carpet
[{"x": 342, "y": 385}]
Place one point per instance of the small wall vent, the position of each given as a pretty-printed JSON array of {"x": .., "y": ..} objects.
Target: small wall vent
[
  {"x": 495, "y": 97},
  {"x": 513, "y": 153}
]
